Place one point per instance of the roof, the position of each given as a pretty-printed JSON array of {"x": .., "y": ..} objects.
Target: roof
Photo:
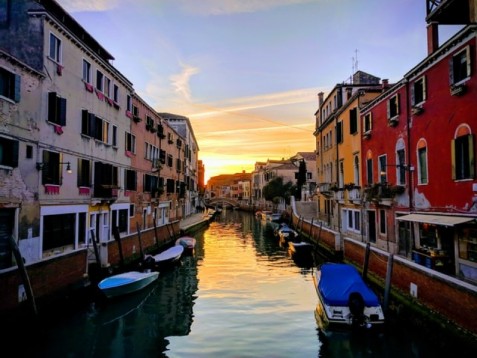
[{"x": 338, "y": 281}]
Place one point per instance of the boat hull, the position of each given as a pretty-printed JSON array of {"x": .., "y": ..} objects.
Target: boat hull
[{"x": 126, "y": 283}]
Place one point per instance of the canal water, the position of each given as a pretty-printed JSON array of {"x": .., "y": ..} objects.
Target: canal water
[{"x": 240, "y": 294}]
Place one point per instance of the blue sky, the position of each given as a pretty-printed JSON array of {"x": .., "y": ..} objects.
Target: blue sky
[{"x": 247, "y": 72}]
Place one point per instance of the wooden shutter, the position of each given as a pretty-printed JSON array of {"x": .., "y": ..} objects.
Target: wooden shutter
[
  {"x": 17, "y": 91},
  {"x": 62, "y": 111}
]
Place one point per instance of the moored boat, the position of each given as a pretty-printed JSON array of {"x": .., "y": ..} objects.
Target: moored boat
[
  {"x": 299, "y": 246},
  {"x": 126, "y": 283},
  {"x": 166, "y": 257},
  {"x": 286, "y": 233},
  {"x": 344, "y": 299},
  {"x": 188, "y": 242}
]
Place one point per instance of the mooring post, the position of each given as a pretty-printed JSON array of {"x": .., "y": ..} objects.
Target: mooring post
[
  {"x": 389, "y": 274},
  {"x": 139, "y": 238},
  {"x": 24, "y": 275},
  {"x": 366, "y": 261}
]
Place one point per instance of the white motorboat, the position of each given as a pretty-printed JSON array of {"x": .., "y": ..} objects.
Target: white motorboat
[{"x": 127, "y": 282}]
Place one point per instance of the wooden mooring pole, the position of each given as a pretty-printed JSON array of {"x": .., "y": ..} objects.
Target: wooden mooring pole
[
  {"x": 387, "y": 288},
  {"x": 24, "y": 275}
]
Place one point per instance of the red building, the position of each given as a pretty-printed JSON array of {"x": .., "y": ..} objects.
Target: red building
[{"x": 427, "y": 162}]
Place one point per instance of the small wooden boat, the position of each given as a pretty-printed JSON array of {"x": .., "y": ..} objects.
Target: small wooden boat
[
  {"x": 169, "y": 256},
  {"x": 286, "y": 233},
  {"x": 344, "y": 299},
  {"x": 188, "y": 242},
  {"x": 127, "y": 282},
  {"x": 299, "y": 247}
]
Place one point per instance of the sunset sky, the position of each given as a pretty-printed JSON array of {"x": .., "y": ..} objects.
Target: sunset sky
[{"x": 247, "y": 72}]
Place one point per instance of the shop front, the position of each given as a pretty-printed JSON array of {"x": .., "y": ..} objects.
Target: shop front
[{"x": 444, "y": 243}]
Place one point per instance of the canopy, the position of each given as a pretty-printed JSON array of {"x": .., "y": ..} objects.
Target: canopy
[
  {"x": 338, "y": 281},
  {"x": 436, "y": 219}
]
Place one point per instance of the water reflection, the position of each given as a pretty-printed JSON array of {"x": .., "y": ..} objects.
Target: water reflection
[{"x": 240, "y": 294}]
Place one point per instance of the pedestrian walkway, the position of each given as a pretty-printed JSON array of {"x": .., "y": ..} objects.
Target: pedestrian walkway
[{"x": 193, "y": 220}]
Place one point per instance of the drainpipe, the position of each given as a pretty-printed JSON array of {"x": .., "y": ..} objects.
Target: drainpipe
[{"x": 410, "y": 172}]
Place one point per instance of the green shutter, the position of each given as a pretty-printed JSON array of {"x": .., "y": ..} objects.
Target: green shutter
[{"x": 453, "y": 159}]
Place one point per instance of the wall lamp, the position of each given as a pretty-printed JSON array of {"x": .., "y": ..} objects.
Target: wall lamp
[{"x": 41, "y": 166}]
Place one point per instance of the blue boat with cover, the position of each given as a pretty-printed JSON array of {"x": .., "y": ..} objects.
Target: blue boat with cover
[{"x": 345, "y": 300}]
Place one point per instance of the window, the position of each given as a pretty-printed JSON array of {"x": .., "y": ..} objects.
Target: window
[
  {"x": 99, "y": 81},
  {"x": 55, "y": 48},
  {"x": 463, "y": 157},
  {"x": 356, "y": 170},
  {"x": 369, "y": 171},
  {"x": 84, "y": 173},
  {"x": 351, "y": 220},
  {"x": 56, "y": 109},
  {"x": 169, "y": 161},
  {"x": 50, "y": 173},
  {"x": 353, "y": 121},
  {"x": 114, "y": 136},
  {"x": 107, "y": 87},
  {"x": 130, "y": 142},
  {"x": 422, "y": 162},
  {"x": 382, "y": 222},
  {"x": 162, "y": 156},
  {"x": 128, "y": 103},
  {"x": 9, "y": 85},
  {"x": 459, "y": 66},
  {"x": 120, "y": 218},
  {"x": 393, "y": 107},
  {"x": 8, "y": 152},
  {"x": 86, "y": 71},
  {"x": 339, "y": 132},
  {"x": 170, "y": 186},
  {"x": 418, "y": 91},
  {"x": 368, "y": 123},
  {"x": 105, "y": 180},
  {"x": 401, "y": 169},
  {"x": 178, "y": 165},
  {"x": 115, "y": 93},
  {"x": 58, "y": 231},
  {"x": 97, "y": 128},
  {"x": 150, "y": 184},
  {"x": 383, "y": 169},
  {"x": 130, "y": 180}
]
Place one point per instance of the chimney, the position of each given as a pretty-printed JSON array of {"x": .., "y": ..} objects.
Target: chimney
[
  {"x": 385, "y": 84},
  {"x": 320, "y": 98},
  {"x": 432, "y": 37}
]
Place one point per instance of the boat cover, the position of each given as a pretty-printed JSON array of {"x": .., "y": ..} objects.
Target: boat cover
[{"x": 338, "y": 281}]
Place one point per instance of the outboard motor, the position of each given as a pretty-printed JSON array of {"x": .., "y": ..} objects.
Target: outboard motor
[
  {"x": 356, "y": 307},
  {"x": 149, "y": 262}
]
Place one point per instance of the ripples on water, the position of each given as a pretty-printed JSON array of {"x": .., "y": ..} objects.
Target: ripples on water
[{"x": 239, "y": 295}]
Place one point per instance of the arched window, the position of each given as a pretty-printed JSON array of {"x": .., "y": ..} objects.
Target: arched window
[
  {"x": 422, "y": 162},
  {"x": 462, "y": 145},
  {"x": 400, "y": 162}
]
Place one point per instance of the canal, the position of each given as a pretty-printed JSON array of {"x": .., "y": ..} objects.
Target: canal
[{"x": 240, "y": 294}]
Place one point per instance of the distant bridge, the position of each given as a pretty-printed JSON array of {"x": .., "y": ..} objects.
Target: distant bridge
[{"x": 222, "y": 201}]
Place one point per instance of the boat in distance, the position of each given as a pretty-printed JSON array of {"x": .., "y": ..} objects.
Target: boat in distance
[
  {"x": 126, "y": 283},
  {"x": 344, "y": 299}
]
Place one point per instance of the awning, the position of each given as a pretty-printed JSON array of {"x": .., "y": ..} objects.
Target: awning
[{"x": 436, "y": 219}]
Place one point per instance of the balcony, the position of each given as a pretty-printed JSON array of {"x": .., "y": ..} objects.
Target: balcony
[{"x": 106, "y": 192}]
